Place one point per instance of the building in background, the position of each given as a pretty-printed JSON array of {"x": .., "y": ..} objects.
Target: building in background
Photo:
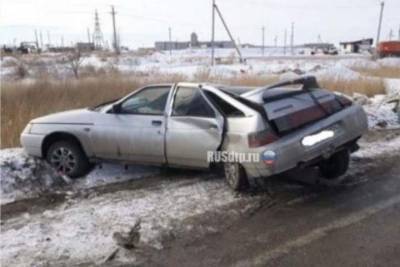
[
  {"x": 193, "y": 43},
  {"x": 359, "y": 46},
  {"x": 318, "y": 48},
  {"x": 85, "y": 46}
]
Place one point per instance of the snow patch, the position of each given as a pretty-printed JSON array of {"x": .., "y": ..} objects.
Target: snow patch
[
  {"x": 23, "y": 176},
  {"x": 70, "y": 230}
]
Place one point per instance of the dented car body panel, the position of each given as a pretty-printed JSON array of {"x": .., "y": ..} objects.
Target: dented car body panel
[{"x": 179, "y": 124}]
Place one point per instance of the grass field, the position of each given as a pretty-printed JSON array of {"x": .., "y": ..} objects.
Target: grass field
[{"x": 22, "y": 102}]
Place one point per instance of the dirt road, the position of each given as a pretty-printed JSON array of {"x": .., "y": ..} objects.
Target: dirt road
[{"x": 350, "y": 225}]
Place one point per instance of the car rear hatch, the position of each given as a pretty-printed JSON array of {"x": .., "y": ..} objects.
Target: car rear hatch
[{"x": 288, "y": 109}]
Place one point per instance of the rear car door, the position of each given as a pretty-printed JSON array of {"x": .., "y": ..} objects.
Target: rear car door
[
  {"x": 194, "y": 128},
  {"x": 136, "y": 131}
]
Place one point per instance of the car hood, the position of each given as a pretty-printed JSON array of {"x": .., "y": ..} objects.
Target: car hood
[{"x": 78, "y": 116}]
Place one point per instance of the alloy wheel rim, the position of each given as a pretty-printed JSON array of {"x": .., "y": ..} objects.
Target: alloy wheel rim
[{"x": 63, "y": 160}]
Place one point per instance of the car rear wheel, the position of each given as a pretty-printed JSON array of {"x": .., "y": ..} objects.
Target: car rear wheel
[
  {"x": 235, "y": 176},
  {"x": 68, "y": 158},
  {"x": 336, "y": 165}
]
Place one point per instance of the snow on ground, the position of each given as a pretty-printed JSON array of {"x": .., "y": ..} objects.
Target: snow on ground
[
  {"x": 113, "y": 173},
  {"x": 379, "y": 111},
  {"x": 378, "y": 147},
  {"x": 69, "y": 231},
  {"x": 24, "y": 177},
  {"x": 392, "y": 86},
  {"x": 190, "y": 61}
]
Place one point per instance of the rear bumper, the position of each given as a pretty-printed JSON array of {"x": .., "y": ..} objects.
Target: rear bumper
[{"x": 349, "y": 124}]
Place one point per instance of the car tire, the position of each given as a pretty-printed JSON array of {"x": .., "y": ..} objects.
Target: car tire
[
  {"x": 68, "y": 158},
  {"x": 336, "y": 165},
  {"x": 235, "y": 176}
]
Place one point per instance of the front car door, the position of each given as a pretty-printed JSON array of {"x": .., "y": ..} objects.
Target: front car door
[
  {"x": 194, "y": 128},
  {"x": 135, "y": 131}
]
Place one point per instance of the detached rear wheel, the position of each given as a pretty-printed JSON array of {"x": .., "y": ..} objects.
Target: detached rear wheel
[
  {"x": 68, "y": 158},
  {"x": 235, "y": 176},
  {"x": 336, "y": 165}
]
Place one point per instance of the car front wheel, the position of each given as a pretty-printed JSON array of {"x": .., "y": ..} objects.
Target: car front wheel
[
  {"x": 336, "y": 165},
  {"x": 68, "y": 158},
  {"x": 235, "y": 176}
]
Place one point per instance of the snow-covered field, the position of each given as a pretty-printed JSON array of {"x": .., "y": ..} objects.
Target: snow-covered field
[{"x": 191, "y": 61}]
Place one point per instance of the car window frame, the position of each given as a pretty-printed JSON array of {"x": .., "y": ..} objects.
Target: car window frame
[
  {"x": 168, "y": 87},
  {"x": 192, "y": 116}
]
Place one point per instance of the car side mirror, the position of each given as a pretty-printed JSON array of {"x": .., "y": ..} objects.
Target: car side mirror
[{"x": 116, "y": 108}]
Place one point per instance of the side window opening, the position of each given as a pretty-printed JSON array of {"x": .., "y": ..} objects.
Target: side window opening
[
  {"x": 150, "y": 101},
  {"x": 227, "y": 109},
  {"x": 190, "y": 102}
]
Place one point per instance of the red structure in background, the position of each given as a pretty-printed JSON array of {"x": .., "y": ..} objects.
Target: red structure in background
[{"x": 389, "y": 49}]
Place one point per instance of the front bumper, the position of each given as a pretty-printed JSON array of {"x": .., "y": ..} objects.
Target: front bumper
[
  {"x": 32, "y": 143},
  {"x": 349, "y": 124}
]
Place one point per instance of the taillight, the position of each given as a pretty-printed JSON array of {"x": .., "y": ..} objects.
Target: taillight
[{"x": 262, "y": 138}]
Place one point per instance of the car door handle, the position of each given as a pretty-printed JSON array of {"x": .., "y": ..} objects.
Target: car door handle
[{"x": 156, "y": 123}]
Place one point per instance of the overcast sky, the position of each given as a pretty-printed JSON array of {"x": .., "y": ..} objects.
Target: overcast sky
[{"x": 141, "y": 22}]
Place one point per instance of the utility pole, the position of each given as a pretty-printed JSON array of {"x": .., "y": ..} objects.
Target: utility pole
[
  {"x": 276, "y": 41},
  {"x": 48, "y": 38},
  {"x": 284, "y": 42},
  {"x": 170, "y": 40},
  {"x": 115, "y": 43},
  {"x": 399, "y": 34},
  {"x": 391, "y": 34},
  {"x": 62, "y": 41},
  {"x": 292, "y": 39},
  {"x": 263, "y": 39},
  {"x": 212, "y": 32},
  {"x": 88, "y": 35},
  {"x": 36, "y": 39},
  {"x": 229, "y": 33},
  {"x": 380, "y": 23},
  {"x": 41, "y": 40}
]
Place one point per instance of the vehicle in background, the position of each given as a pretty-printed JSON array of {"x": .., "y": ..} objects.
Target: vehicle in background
[
  {"x": 389, "y": 49},
  {"x": 290, "y": 124}
]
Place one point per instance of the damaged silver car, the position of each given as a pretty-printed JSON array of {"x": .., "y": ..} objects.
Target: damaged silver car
[{"x": 289, "y": 124}]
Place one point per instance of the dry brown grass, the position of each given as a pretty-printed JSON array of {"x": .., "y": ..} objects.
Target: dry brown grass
[
  {"x": 366, "y": 86},
  {"x": 383, "y": 72},
  {"x": 21, "y": 102}
]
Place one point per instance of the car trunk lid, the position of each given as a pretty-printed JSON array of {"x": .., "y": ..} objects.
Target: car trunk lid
[
  {"x": 291, "y": 111},
  {"x": 289, "y": 108}
]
